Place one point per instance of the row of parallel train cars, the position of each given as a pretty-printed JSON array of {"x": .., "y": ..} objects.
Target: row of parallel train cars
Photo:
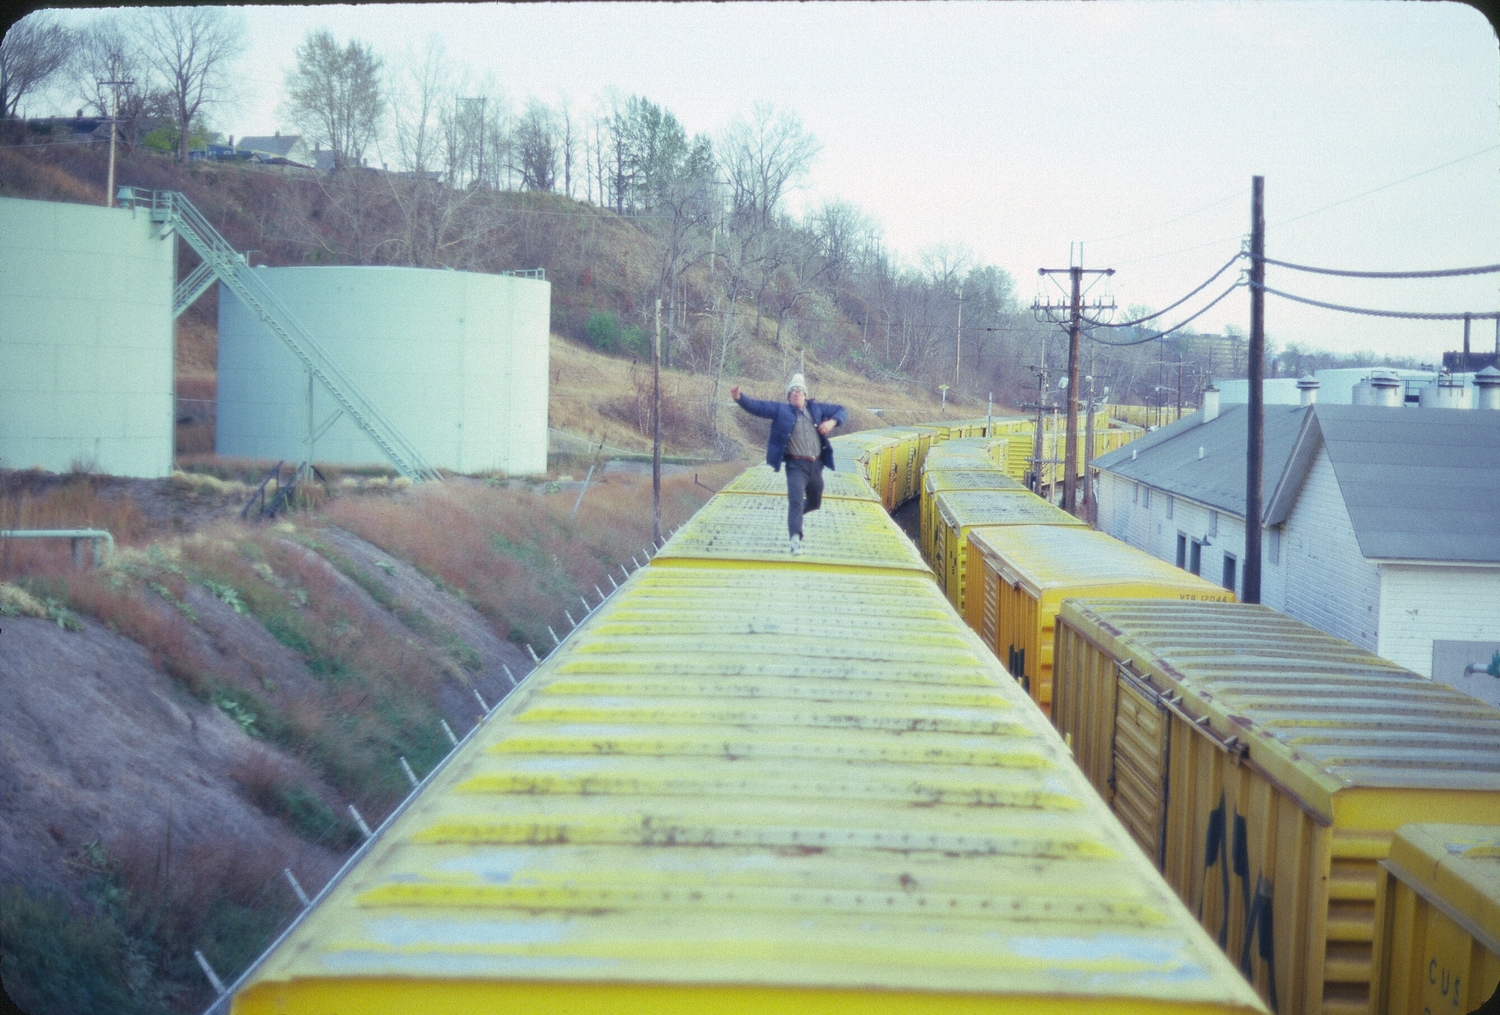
[{"x": 755, "y": 782}]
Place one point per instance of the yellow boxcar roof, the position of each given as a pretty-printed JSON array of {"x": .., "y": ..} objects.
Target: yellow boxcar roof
[
  {"x": 1042, "y": 558},
  {"x": 940, "y": 480},
  {"x": 1315, "y": 712},
  {"x": 1457, "y": 864},
  {"x": 741, "y": 527},
  {"x": 840, "y": 485},
  {"x": 707, "y": 786},
  {"x": 962, "y": 508}
]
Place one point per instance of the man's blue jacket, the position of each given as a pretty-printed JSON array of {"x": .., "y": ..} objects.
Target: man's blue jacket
[{"x": 783, "y": 417}]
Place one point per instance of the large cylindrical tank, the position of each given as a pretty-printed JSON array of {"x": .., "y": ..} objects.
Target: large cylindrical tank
[
  {"x": 456, "y": 361},
  {"x": 1487, "y": 389},
  {"x": 1380, "y": 388},
  {"x": 85, "y": 339},
  {"x": 1444, "y": 393}
]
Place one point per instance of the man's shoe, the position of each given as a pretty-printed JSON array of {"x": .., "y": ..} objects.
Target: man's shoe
[{"x": 796, "y": 545}]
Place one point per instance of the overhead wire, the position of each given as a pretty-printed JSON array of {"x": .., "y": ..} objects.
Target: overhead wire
[
  {"x": 1163, "y": 334},
  {"x": 1195, "y": 292},
  {"x": 1446, "y": 273},
  {"x": 1179, "y": 218},
  {"x": 1409, "y": 315}
]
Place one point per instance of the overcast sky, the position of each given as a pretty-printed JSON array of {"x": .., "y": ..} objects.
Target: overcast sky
[{"x": 1016, "y": 129}]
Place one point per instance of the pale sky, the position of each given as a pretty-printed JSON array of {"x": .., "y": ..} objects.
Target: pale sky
[{"x": 1015, "y": 129}]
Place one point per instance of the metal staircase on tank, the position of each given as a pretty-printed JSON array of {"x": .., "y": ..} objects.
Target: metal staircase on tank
[{"x": 222, "y": 262}]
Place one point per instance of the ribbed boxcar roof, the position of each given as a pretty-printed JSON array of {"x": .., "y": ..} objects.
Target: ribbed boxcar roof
[
  {"x": 1044, "y": 557},
  {"x": 961, "y": 508},
  {"x": 839, "y": 485},
  {"x": 705, "y": 787},
  {"x": 943, "y": 480},
  {"x": 1318, "y": 714},
  {"x": 1458, "y": 864},
  {"x": 741, "y": 527}
]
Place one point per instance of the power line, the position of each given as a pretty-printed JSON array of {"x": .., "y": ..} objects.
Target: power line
[
  {"x": 1408, "y": 315},
  {"x": 1195, "y": 292},
  {"x": 1385, "y": 186},
  {"x": 1163, "y": 334},
  {"x": 1482, "y": 270}
]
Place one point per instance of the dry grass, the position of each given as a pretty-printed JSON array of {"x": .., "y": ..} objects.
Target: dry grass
[
  {"x": 514, "y": 552},
  {"x": 71, "y": 503}
]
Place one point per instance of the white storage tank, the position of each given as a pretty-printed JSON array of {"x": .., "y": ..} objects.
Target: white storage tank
[
  {"x": 1447, "y": 392},
  {"x": 85, "y": 339},
  {"x": 456, "y": 361}
]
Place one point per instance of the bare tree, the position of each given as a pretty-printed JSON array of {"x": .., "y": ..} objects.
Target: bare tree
[
  {"x": 569, "y": 144},
  {"x": 104, "y": 52},
  {"x": 762, "y": 157},
  {"x": 415, "y": 106},
  {"x": 334, "y": 96},
  {"x": 190, "y": 49},
  {"x": 536, "y": 147},
  {"x": 32, "y": 52}
]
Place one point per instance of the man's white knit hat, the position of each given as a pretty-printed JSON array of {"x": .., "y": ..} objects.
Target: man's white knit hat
[{"x": 796, "y": 382}]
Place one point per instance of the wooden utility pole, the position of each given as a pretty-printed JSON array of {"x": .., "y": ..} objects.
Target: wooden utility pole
[
  {"x": 958, "y": 339},
  {"x": 656, "y": 430},
  {"x": 114, "y": 114},
  {"x": 1075, "y": 319},
  {"x": 1255, "y": 442}
]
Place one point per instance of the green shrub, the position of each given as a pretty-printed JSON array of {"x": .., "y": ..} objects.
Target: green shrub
[
  {"x": 62, "y": 962},
  {"x": 603, "y": 331}
]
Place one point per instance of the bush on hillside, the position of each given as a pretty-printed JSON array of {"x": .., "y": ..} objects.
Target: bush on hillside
[{"x": 603, "y": 331}]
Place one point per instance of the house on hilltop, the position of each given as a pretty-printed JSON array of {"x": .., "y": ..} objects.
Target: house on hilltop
[
  {"x": 279, "y": 149},
  {"x": 1380, "y": 524}
]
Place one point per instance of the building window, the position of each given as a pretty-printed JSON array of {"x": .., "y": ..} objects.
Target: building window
[
  {"x": 1213, "y": 523},
  {"x": 1229, "y": 571},
  {"x": 1273, "y": 544},
  {"x": 1181, "y": 548},
  {"x": 1171, "y": 503},
  {"x": 1146, "y": 498},
  {"x": 1195, "y": 557}
]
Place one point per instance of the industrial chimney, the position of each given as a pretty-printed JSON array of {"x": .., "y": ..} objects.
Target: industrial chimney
[{"x": 1210, "y": 403}]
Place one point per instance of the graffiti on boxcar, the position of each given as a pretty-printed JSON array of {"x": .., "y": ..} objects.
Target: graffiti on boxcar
[{"x": 1231, "y": 855}]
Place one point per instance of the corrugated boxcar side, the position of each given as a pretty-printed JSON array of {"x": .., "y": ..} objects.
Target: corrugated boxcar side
[
  {"x": 1267, "y": 765},
  {"x": 1439, "y": 920}
]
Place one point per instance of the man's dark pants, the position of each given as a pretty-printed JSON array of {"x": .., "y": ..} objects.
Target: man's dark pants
[{"x": 804, "y": 491}]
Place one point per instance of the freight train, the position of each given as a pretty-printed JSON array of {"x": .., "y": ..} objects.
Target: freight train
[{"x": 755, "y": 782}]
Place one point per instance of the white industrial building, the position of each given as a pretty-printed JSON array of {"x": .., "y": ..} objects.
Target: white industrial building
[
  {"x": 85, "y": 339},
  {"x": 1381, "y": 524},
  {"x": 456, "y": 362},
  {"x": 1351, "y": 386}
]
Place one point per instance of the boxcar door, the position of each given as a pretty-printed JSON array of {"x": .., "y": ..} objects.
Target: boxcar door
[{"x": 1140, "y": 765}]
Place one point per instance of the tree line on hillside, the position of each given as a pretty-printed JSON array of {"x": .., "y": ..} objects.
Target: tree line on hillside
[{"x": 619, "y": 204}]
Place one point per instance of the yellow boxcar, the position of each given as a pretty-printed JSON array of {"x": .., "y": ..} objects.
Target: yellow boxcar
[
  {"x": 1019, "y": 575},
  {"x": 1439, "y": 920},
  {"x": 838, "y": 485},
  {"x": 956, "y": 512},
  {"x": 1266, "y": 766},
  {"x": 735, "y": 529},
  {"x": 938, "y": 481},
  {"x": 708, "y": 800}
]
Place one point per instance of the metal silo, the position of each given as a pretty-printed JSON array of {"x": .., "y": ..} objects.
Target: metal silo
[
  {"x": 1447, "y": 392},
  {"x": 85, "y": 339},
  {"x": 456, "y": 361}
]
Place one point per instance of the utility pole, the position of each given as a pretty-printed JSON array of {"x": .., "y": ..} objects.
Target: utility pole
[
  {"x": 1075, "y": 319},
  {"x": 958, "y": 338},
  {"x": 1255, "y": 442},
  {"x": 114, "y": 114},
  {"x": 1088, "y": 448},
  {"x": 656, "y": 430}
]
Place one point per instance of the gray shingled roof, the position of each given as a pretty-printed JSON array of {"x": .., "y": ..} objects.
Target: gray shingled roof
[
  {"x": 278, "y": 145},
  {"x": 1167, "y": 459},
  {"x": 1419, "y": 484}
]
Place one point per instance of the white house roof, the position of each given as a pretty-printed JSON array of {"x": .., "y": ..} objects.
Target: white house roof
[
  {"x": 1419, "y": 484},
  {"x": 278, "y": 146},
  {"x": 1167, "y": 459}
]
